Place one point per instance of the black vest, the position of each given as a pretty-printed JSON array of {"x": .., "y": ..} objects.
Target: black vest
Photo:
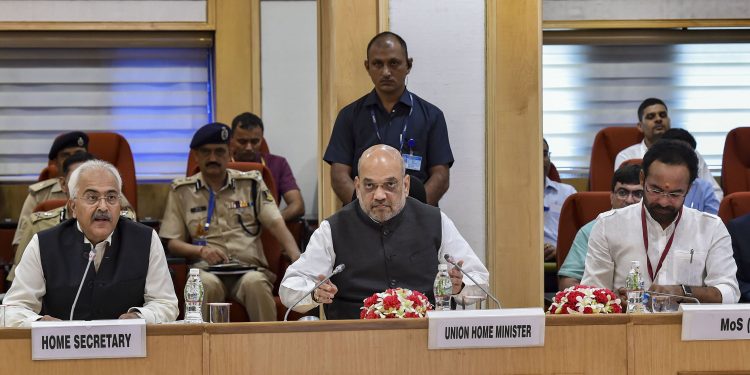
[
  {"x": 106, "y": 294},
  {"x": 401, "y": 252}
]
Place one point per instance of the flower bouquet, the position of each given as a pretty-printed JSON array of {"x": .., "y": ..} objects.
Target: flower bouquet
[
  {"x": 583, "y": 299},
  {"x": 395, "y": 303}
]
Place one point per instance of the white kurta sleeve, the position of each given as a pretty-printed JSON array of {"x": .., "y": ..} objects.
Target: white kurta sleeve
[
  {"x": 302, "y": 275},
  {"x": 456, "y": 246},
  {"x": 160, "y": 301},
  {"x": 24, "y": 299},
  {"x": 721, "y": 269},
  {"x": 599, "y": 270}
]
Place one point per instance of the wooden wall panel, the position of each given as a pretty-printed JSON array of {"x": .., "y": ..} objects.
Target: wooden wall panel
[
  {"x": 237, "y": 58},
  {"x": 514, "y": 151},
  {"x": 344, "y": 29}
]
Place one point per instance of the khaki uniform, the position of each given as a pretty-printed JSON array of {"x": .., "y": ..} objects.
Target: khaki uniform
[
  {"x": 39, "y": 221},
  {"x": 40, "y": 192},
  {"x": 185, "y": 217}
]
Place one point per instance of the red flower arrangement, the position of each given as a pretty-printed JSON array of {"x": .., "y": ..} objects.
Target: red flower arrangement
[
  {"x": 395, "y": 303},
  {"x": 583, "y": 299}
]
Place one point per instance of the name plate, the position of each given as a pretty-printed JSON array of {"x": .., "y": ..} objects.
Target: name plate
[
  {"x": 715, "y": 322},
  {"x": 460, "y": 329},
  {"x": 120, "y": 338}
]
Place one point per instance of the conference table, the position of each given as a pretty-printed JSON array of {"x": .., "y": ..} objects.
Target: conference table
[{"x": 615, "y": 344}]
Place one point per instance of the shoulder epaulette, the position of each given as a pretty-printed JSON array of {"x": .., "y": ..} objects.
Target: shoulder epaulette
[
  {"x": 42, "y": 185},
  {"x": 184, "y": 181},
  {"x": 46, "y": 215},
  {"x": 245, "y": 175}
]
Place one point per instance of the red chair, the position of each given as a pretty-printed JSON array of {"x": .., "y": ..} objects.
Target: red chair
[
  {"x": 735, "y": 164},
  {"x": 577, "y": 211},
  {"x": 607, "y": 144},
  {"x": 7, "y": 230},
  {"x": 734, "y": 205},
  {"x": 113, "y": 148},
  {"x": 192, "y": 167}
]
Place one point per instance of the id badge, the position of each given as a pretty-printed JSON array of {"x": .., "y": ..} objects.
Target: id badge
[{"x": 413, "y": 162}]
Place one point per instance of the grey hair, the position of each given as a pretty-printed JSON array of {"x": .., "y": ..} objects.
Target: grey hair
[{"x": 92, "y": 165}]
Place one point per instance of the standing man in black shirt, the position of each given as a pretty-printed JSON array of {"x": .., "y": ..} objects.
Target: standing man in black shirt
[{"x": 391, "y": 115}]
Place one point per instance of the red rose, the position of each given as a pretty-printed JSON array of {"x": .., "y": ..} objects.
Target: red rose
[
  {"x": 415, "y": 300},
  {"x": 371, "y": 315},
  {"x": 616, "y": 308},
  {"x": 588, "y": 310},
  {"x": 371, "y": 300},
  {"x": 362, "y": 314},
  {"x": 391, "y": 302},
  {"x": 601, "y": 296},
  {"x": 411, "y": 315},
  {"x": 573, "y": 296}
]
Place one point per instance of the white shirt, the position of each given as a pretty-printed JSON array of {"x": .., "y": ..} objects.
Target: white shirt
[
  {"x": 24, "y": 299},
  {"x": 555, "y": 194},
  {"x": 637, "y": 151},
  {"x": 319, "y": 258},
  {"x": 701, "y": 252}
]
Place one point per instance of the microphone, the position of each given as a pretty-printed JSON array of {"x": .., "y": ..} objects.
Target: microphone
[
  {"x": 92, "y": 254},
  {"x": 336, "y": 270},
  {"x": 693, "y": 299},
  {"x": 448, "y": 259}
]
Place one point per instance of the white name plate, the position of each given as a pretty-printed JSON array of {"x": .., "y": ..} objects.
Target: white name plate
[
  {"x": 715, "y": 322},
  {"x": 120, "y": 338},
  {"x": 485, "y": 328}
]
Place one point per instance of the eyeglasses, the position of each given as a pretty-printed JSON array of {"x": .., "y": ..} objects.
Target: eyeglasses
[
  {"x": 625, "y": 193},
  {"x": 93, "y": 199},
  {"x": 546, "y": 154},
  {"x": 674, "y": 195},
  {"x": 206, "y": 152}
]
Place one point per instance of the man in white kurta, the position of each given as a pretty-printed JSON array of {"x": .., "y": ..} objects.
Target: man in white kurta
[
  {"x": 698, "y": 261},
  {"x": 653, "y": 121}
]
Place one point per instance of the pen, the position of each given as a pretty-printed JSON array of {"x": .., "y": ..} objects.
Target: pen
[{"x": 691, "y": 256}]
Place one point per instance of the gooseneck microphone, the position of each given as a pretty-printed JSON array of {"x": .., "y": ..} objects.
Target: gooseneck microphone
[
  {"x": 336, "y": 270},
  {"x": 448, "y": 259},
  {"x": 692, "y": 299},
  {"x": 92, "y": 254}
]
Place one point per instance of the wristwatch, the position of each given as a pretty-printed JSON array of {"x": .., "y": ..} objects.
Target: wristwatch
[{"x": 687, "y": 290}]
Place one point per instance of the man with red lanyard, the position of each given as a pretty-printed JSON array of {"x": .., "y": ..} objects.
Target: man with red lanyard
[{"x": 684, "y": 251}]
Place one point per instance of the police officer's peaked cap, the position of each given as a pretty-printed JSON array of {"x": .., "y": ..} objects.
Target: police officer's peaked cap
[
  {"x": 72, "y": 139},
  {"x": 213, "y": 133}
]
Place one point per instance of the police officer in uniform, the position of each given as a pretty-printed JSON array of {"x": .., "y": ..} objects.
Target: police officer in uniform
[
  {"x": 63, "y": 147},
  {"x": 214, "y": 218},
  {"x": 39, "y": 221}
]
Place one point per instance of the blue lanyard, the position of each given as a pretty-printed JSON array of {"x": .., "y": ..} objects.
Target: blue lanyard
[
  {"x": 211, "y": 204},
  {"x": 403, "y": 132}
]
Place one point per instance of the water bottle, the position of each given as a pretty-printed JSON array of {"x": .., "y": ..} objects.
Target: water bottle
[
  {"x": 194, "y": 298},
  {"x": 634, "y": 286},
  {"x": 443, "y": 289}
]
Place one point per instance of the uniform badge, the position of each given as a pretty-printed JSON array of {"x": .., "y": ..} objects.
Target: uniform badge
[
  {"x": 80, "y": 141},
  {"x": 238, "y": 204},
  {"x": 198, "y": 209},
  {"x": 267, "y": 196},
  {"x": 224, "y": 134}
]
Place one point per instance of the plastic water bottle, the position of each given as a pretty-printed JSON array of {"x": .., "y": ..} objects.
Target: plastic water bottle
[
  {"x": 634, "y": 286},
  {"x": 194, "y": 298},
  {"x": 443, "y": 288}
]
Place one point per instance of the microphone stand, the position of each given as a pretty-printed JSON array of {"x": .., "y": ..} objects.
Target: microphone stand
[
  {"x": 336, "y": 270},
  {"x": 448, "y": 259}
]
